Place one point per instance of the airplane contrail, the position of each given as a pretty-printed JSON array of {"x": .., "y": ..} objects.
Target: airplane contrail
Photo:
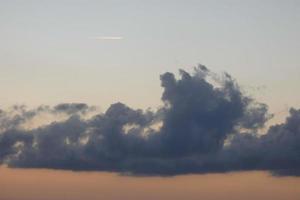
[{"x": 107, "y": 38}]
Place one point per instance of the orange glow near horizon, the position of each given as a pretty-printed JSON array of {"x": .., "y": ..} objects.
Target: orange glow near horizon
[{"x": 31, "y": 184}]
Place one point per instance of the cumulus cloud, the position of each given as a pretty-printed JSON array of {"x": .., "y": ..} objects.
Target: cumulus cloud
[{"x": 206, "y": 124}]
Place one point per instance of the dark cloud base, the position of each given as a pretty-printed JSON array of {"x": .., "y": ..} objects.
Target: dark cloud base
[{"x": 206, "y": 124}]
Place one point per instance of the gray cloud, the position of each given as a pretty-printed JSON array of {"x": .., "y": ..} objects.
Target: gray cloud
[
  {"x": 206, "y": 124},
  {"x": 73, "y": 108},
  {"x": 278, "y": 150}
]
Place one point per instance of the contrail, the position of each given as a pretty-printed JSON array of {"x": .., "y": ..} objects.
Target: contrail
[{"x": 107, "y": 38}]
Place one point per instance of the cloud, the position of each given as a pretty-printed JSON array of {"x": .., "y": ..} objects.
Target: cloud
[
  {"x": 206, "y": 124},
  {"x": 73, "y": 108},
  {"x": 278, "y": 150}
]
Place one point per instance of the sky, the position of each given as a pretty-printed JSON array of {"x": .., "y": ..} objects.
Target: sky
[
  {"x": 50, "y": 54},
  {"x": 48, "y": 185},
  {"x": 69, "y": 60}
]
